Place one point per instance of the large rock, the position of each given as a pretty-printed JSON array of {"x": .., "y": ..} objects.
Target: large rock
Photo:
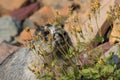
[
  {"x": 115, "y": 34},
  {"x": 6, "y": 50},
  {"x": 100, "y": 50},
  {"x": 55, "y": 3},
  {"x": 15, "y": 67},
  {"x": 115, "y": 52},
  {"x": 7, "y": 6},
  {"x": 25, "y": 12},
  {"x": 25, "y": 36},
  {"x": 114, "y": 49},
  {"x": 8, "y": 28},
  {"x": 89, "y": 29},
  {"x": 48, "y": 13},
  {"x": 42, "y": 16}
]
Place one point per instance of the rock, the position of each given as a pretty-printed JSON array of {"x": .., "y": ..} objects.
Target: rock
[
  {"x": 84, "y": 6},
  {"x": 83, "y": 59},
  {"x": 117, "y": 2},
  {"x": 25, "y": 36},
  {"x": 8, "y": 28},
  {"x": 25, "y": 12},
  {"x": 87, "y": 32},
  {"x": 13, "y": 4},
  {"x": 6, "y": 50},
  {"x": 15, "y": 67},
  {"x": 32, "y": 1},
  {"x": 48, "y": 12},
  {"x": 115, "y": 34},
  {"x": 62, "y": 10},
  {"x": 115, "y": 59},
  {"x": 42, "y": 16},
  {"x": 29, "y": 23},
  {"x": 55, "y": 3},
  {"x": 64, "y": 6},
  {"x": 100, "y": 50},
  {"x": 18, "y": 23},
  {"x": 114, "y": 49}
]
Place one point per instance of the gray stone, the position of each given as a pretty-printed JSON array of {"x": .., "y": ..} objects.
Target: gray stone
[
  {"x": 115, "y": 59},
  {"x": 7, "y": 28},
  {"x": 29, "y": 23},
  {"x": 6, "y": 50},
  {"x": 15, "y": 67}
]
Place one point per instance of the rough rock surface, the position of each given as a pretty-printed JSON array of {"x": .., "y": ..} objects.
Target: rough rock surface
[
  {"x": 89, "y": 32},
  {"x": 15, "y": 67},
  {"x": 42, "y": 16},
  {"x": 8, "y": 28},
  {"x": 6, "y": 50}
]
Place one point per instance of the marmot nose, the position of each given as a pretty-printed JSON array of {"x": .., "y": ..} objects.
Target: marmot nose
[{"x": 58, "y": 39}]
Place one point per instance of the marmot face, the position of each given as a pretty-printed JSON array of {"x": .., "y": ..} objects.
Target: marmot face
[{"x": 54, "y": 35}]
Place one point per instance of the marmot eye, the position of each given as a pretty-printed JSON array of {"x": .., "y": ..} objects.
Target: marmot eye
[
  {"x": 46, "y": 33},
  {"x": 65, "y": 33}
]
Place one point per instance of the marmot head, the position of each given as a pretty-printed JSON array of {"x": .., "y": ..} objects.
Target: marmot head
[{"x": 54, "y": 35}]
